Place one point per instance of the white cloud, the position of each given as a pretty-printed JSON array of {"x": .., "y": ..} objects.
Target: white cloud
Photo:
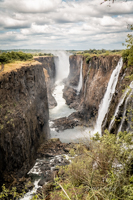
[
  {"x": 59, "y": 24},
  {"x": 32, "y": 6}
]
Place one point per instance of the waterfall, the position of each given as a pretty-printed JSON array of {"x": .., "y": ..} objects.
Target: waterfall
[
  {"x": 80, "y": 79},
  {"x": 125, "y": 106},
  {"x": 62, "y": 71},
  {"x": 62, "y": 65},
  {"x": 104, "y": 105},
  {"x": 87, "y": 80},
  {"x": 119, "y": 104}
]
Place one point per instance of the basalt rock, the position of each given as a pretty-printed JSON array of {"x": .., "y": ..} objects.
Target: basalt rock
[
  {"x": 23, "y": 120},
  {"x": 50, "y": 74},
  {"x": 123, "y": 83},
  {"x": 96, "y": 75}
]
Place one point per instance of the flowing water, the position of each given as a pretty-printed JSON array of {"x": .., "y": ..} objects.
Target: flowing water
[
  {"x": 79, "y": 87},
  {"x": 62, "y": 110},
  {"x": 80, "y": 79},
  {"x": 118, "y": 106},
  {"x": 104, "y": 105},
  {"x": 125, "y": 106}
]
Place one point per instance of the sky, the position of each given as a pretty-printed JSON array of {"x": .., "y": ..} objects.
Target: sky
[{"x": 64, "y": 24}]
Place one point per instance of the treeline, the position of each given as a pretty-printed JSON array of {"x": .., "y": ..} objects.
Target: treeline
[
  {"x": 93, "y": 52},
  {"x": 97, "y": 52},
  {"x": 43, "y": 54},
  {"x": 14, "y": 56}
]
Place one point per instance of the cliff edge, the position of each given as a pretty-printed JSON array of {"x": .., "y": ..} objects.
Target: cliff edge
[{"x": 23, "y": 119}]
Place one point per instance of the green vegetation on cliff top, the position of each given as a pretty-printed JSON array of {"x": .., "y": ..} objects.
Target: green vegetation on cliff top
[{"x": 14, "y": 56}]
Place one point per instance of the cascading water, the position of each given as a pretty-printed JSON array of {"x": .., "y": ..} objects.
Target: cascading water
[
  {"x": 125, "y": 106},
  {"x": 62, "y": 65},
  {"x": 80, "y": 79},
  {"x": 119, "y": 104},
  {"x": 62, "y": 71},
  {"x": 104, "y": 105},
  {"x": 86, "y": 81}
]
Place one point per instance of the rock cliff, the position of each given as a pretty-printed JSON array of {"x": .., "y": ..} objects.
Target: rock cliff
[
  {"x": 126, "y": 104},
  {"x": 96, "y": 75},
  {"x": 23, "y": 119},
  {"x": 50, "y": 74}
]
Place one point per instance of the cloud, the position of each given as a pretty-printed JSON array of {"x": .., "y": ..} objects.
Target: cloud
[
  {"x": 32, "y": 6},
  {"x": 64, "y": 24}
]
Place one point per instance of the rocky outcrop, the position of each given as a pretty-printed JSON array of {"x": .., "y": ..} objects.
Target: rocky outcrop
[
  {"x": 50, "y": 74},
  {"x": 23, "y": 120},
  {"x": 96, "y": 75}
]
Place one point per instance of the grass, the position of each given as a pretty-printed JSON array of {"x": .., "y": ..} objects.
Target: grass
[{"x": 17, "y": 64}]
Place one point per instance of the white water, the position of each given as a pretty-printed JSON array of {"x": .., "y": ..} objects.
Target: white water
[
  {"x": 31, "y": 193},
  {"x": 62, "y": 71},
  {"x": 62, "y": 65},
  {"x": 77, "y": 134},
  {"x": 125, "y": 106},
  {"x": 61, "y": 110},
  {"x": 119, "y": 104},
  {"x": 104, "y": 105},
  {"x": 80, "y": 79}
]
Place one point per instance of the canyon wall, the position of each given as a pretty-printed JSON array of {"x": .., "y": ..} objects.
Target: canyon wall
[
  {"x": 121, "y": 104},
  {"x": 48, "y": 65},
  {"x": 96, "y": 75},
  {"x": 23, "y": 119}
]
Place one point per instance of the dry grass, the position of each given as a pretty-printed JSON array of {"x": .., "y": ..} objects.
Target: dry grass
[{"x": 17, "y": 65}]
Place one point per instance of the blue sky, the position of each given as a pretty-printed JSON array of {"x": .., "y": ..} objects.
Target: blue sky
[{"x": 60, "y": 24}]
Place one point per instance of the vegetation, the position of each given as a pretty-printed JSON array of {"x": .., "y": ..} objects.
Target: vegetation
[
  {"x": 88, "y": 54},
  {"x": 104, "y": 172},
  {"x": 43, "y": 54},
  {"x": 8, "y": 194},
  {"x": 128, "y": 53},
  {"x": 14, "y": 56}
]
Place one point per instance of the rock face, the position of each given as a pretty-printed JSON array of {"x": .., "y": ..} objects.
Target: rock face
[
  {"x": 126, "y": 105},
  {"x": 70, "y": 92},
  {"x": 23, "y": 120},
  {"x": 96, "y": 75},
  {"x": 50, "y": 74},
  {"x": 75, "y": 64}
]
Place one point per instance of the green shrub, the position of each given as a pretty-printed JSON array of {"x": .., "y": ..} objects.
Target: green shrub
[
  {"x": 103, "y": 172},
  {"x": 13, "y": 56},
  {"x": 88, "y": 58},
  {"x": 125, "y": 55}
]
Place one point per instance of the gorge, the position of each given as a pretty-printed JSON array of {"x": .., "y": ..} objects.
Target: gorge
[{"x": 60, "y": 97}]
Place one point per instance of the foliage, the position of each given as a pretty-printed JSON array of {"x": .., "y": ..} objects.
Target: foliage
[
  {"x": 13, "y": 56},
  {"x": 43, "y": 54},
  {"x": 93, "y": 52},
  {"x": 128, "y": 53},
  {"x": 104, "y": 172},
  {"x": 8, "y": 194}
]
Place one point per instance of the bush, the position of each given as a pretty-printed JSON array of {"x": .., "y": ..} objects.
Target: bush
[
  {"x": 88, "y": 59},
  {"x": 13, "y": 56},
  {"x": 125, "y": 55},
  {"x": 102, "y": 172}
]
